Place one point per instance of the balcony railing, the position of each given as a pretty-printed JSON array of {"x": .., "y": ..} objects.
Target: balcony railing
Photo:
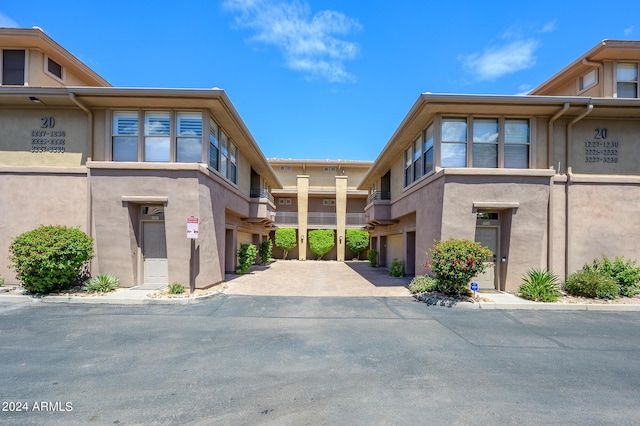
[
  {"x": 355, "y": 220},
  {"x": 321, "y": 219},
  {"x": 262, "y": 193},
  {"x": 286, "y": 218},
  {"x": 379, "y": 195}
]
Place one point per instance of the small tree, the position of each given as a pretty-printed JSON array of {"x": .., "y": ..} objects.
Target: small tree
[
  {"x": 357, "y": 240},
  {"x": 286, "y": 240},
  {"x": 455, "y": 262},
  {"x": 266, "y": 248},
  {"x": 49, "y": 258},
  {"x": 321, "y": 241}
]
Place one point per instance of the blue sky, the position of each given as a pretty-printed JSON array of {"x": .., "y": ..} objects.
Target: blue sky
[{"x": 327, "y": 79}]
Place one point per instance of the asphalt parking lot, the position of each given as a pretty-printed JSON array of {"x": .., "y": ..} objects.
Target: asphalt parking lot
[{"x": 238, "y": 359}]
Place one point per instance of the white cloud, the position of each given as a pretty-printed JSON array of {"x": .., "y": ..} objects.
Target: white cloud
[
  {"x": 307, "y": 41},
  {"x": 549, "y": 27},
  {"x": 498, "y": 61},
  {"x": 6, "y": 22},
  {"x": 628, "y": 31}
]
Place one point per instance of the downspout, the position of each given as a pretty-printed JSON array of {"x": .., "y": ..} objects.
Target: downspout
[
  {"x": 599, "y": 65},
  {"x": 550, "y": 214},
  {"x": 567, "y": 245},
  {"x": 80, "y": 105}
]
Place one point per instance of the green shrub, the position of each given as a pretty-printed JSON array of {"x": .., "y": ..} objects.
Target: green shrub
[
  {"x": 246, "y": 257},
  {"x": 624, "y": 272},
  {"x": 455, "y": 262},
  {"x": 396, "y": 269},
  {"x": 286, "y": 240},
  {"x": 1, "y": 281},
  {"x": 423, "y": 284},
  {"x": 372, "y": 255},
  {"x": 49, "y": 258},
  {"x": 593, "y": 284},
  {"x": 103, "y": 283},
  {"x": 540, "y": 286},
  {"x": 266, "y": 248},
  {"x": 321, "y": 241},
  {"x": 357, "y": 240},
  {"x": 176, "y": 288}
]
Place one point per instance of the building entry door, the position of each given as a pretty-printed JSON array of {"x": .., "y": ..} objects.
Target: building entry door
[
  {"x": 154, "y": 253},
  {"x": 488, "y": 237}
]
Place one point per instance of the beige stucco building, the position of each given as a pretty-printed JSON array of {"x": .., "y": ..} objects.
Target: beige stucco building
[{"x": 549, "y": 179}]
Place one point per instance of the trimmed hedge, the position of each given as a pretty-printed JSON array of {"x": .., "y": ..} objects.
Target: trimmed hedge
[
  {"x": 357, "y": 240},
  {"x": 286, "y": 240},
  {"x": 321, "y": 241}
]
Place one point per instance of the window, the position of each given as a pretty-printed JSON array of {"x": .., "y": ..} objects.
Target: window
[
  {"x": 485, "y": 142},
  {"x": 454, "y": 142},
  {"x": 285, "y": 168},
  {"x": 214, "y": 145},
  {"x": 428, "y": 150},
  {"x": 157, "y": 136},
  {"x": 125, "y": 136},
  {"x": 588, "y": 80},
  {"x": 284, "y": 201},
  {"x": 417, "y": 156},
  {"x": 224, "y": 153},
  {"x": 13, "y": 66},
  {"x": 54, "y": 68},
  {"x": 408, "y": 156},
  {"x": 516, "y": 143},
  {"x": 328, "y": 202},
  {"x": 189, "y": 137},
  {"x": 329, "y": 169},
  {"x": 233, "y": 163},
  {"x": 627, "y": 80}
]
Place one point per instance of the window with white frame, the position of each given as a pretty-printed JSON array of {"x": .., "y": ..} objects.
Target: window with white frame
[
  {"x": 157, "y": 136},
  {"x": 224, "y": 153},
  {"x": 428, "y": 150},
  {"x": 588, "y": 80},
  {"x": 125, "y": 136},
  {"x": 328, "y": 202},
  {"x": 453, "y": 149},
  {"x": 189, "y": 137},
  {"x": 517, "y": 138},
  {"x": 233, "y": 163},
  {"x": 284, "y": 201},
  {"x": 329, "y": 169},
  {"x": 417, "y": 157},
  {"x": 13, "y": 67},
  {"x": 627, "y": 80},
  {"x": 214, "y": 145},
  {"x": 54, "y": 68},
  {"x": 408, "y": 161},
  {"x": 485, "y": 142}
]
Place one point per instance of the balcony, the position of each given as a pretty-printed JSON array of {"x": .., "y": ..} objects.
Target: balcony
[
  {"x": 355, "y": 220},
  {"x": 378, "y": 212},
  {"x": 379, "y": 195},
  {"x": 286, "y": 219},
  {"x": 262, "y": 207},
  {"x": 321, "y": 219}
]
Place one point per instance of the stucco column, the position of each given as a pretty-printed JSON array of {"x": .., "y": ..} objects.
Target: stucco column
[
  {"x": 303, "y": 211},
  {"x": 341, "y": 215}
]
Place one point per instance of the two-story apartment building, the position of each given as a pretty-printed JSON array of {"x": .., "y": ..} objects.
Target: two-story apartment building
[
  {"x": 320, "y": 194},
  {"x": 128, "y": 166},
  {"x": 550, "y": 179}
]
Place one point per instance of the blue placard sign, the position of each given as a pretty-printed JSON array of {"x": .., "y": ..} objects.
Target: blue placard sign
[{"x": 474, "y": 286}]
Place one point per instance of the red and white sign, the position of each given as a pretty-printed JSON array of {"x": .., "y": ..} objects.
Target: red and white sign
[{"x": 192, "y": 227}]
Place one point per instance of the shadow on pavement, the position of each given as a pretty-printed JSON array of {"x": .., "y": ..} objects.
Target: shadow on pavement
[{"x": 378, "y": 276}]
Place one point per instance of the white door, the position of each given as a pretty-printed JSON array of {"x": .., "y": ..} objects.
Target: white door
[
  {"x": 488, "y": 237},
  {"x": 154, "y": 253}
]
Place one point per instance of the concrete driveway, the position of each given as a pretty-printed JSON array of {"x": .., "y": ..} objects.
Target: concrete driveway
[{"x": 318, "y": 279}]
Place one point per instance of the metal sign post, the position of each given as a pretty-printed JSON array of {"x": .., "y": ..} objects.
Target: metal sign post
[
  {"x": 474, "y": 287},
  {"x": 192, "y": 235}
]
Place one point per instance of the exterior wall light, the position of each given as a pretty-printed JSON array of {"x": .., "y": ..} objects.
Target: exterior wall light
[{"x": 340, "y": 239}]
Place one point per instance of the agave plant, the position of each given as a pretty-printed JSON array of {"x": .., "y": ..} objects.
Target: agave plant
[
  {"x": 540, "y": 286},
  {"x": 103, "y": 283}
]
